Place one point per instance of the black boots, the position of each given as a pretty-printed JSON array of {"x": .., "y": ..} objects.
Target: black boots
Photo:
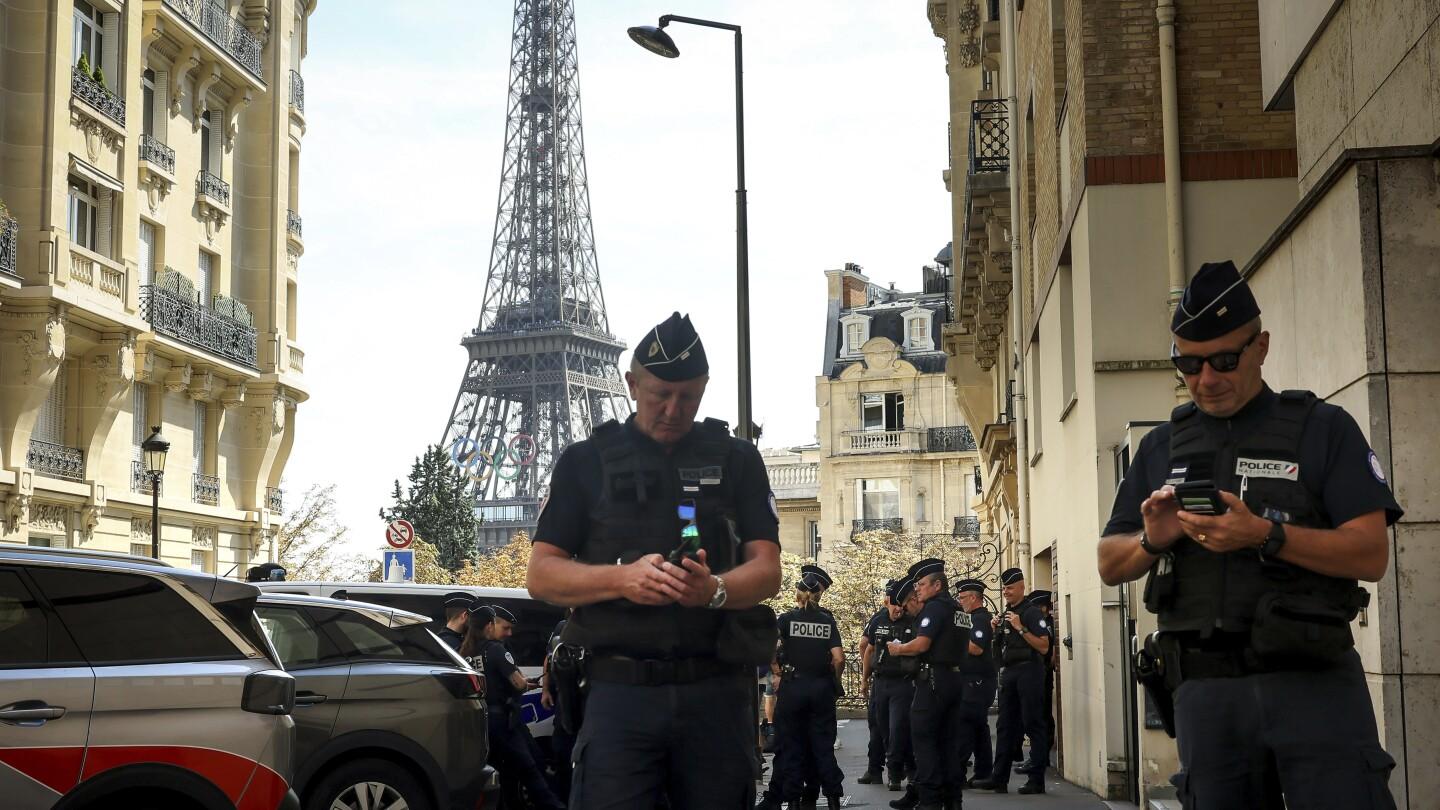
[
  {"x": 870, "y": 777},
  {"x": 894, "y": 783},
  {"x": 1032, "y": 787},
  {"x": 989, "y": 784},
  {"x": 909, "y": 801}
]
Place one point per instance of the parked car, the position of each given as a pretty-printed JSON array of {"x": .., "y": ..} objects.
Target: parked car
[
  {"x": 127, "y": 683},
  {"x": 386, "y": 715},
  {"x": 536, "y": 620}
]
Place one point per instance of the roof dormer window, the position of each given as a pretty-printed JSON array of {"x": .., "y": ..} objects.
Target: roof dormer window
[
  {"x": 917, "y": 330},
  {"x": 857, "y": 331}
]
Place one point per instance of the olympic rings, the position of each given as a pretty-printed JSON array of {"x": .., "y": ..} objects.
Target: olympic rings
[{"x": 494, "y": 456}]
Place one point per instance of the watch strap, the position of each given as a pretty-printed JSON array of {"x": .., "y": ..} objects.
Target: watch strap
[
  {"x": 1149, "y": 549},
  {"x": 1274, "y": 540}
]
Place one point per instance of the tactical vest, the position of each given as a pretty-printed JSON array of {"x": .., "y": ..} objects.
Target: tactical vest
[
  {"x": 497, "y": 687},
  {"x": 977, "y": 664},
  {"x": 888, "y": 630},
  {"x": 1220, "y": 591},
  {"x": 951, "y": 645},
  {"x": 636, "y": 515},
  {"x": 1014, "y": 649},
  {"x": 806, "y": 634}
]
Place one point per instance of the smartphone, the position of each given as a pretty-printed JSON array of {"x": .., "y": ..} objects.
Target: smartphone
[
  {"x": 1199, "y": 497},
  {"x": 689, "y": 535}
]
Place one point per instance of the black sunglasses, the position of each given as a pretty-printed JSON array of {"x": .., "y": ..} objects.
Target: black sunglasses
[{"x": 1222, "y": 362}]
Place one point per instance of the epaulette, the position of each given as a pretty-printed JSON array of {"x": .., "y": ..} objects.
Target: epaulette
[{"x": 1182, "y": 411}]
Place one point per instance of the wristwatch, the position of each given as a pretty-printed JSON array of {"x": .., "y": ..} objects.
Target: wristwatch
[
  {"x": 1149, "y": 549},
  {"x": 1274, "y": 540},
  {"x": 718, "y": 600}
]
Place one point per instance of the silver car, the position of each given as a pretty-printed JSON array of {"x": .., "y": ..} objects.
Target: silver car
[{"x": 127, "y": 683}]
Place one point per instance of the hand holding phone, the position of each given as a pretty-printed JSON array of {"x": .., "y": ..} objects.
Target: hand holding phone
[{"x": 1199, "y": 497}]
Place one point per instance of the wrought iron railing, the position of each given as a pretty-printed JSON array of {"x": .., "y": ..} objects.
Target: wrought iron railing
[
  {"x": 989, "y": 136},
  {"x": 979, "y": 483},
  {"x": 9, "y": 244},
  {"x": 297, "y": 91},
  {"x": 153, "y": 150},
  {"x": 213, "y": 187},
  {"x": 275, "y": 499},
  {"x": 56, "y": 460},
  {"x": 950, "y": 439},
  {"x": 98, "y": 96},
  {"x": 862, "y": 525},
  {"x": 183, "y": 318},
  {"x": 205, "y": 489},
  {"x": 141, "y": 481},
  {"x": 213, "y": 20},
  {"x": 855, "y": 697},
  {"x": 967, "y": 526},
  {"x": 293, "y": 225}
]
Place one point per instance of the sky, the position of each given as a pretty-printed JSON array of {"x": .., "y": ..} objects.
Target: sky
[{"x": 845, "y": 117}]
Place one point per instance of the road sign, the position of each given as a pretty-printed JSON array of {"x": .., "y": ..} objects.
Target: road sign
[
  {"x": 399, "y": 566},
  {"x": 400, "y": 534}
]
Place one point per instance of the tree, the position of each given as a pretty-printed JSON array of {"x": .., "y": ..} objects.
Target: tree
[
  {"x": 309, "y": 542},
  {"x": 503, "y": 568},
  {"x": 438, "y": 502}
]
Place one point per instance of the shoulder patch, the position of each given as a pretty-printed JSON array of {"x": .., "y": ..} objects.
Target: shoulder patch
[
  {"x": 774, "y": 510},
  {"x": 1043, "y": 625},
  {"x": 979, "y": 634},
  {"x": 925, "y": 622},
  {"x": 1376, "y": 470}
]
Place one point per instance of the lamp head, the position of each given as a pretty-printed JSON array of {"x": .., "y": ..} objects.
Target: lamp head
[
  {"x": 654, "y": 40},
  {"x": 154, "y": 448}
]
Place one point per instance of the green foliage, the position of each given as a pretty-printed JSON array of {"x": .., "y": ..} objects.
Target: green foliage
[
  {"x": 437, "y": 500},
  {"x": 310, "y": 542},
  {"x": 232, "y": 309},
  {"x": 83, "y": 66},
  {"x": 99, "y": 77},
  {"x": 172, "y": 280}
]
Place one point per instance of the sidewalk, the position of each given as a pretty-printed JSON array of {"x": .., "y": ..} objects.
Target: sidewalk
[{"x": 1060, "y": 795}]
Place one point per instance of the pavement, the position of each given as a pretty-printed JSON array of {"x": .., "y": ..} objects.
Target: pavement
[{"x": 854, "y": 737}]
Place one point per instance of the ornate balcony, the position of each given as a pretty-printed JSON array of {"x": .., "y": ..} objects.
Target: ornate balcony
[
  {"x": 297, "y": 91},
  {"x": 275, "y": 499},
  {"x": 100, "y": 273},
  {"x": 884, "y": 441},
  {"x": 793, "y": 481},
  {"x": 294, "y": 226},
  {"x": 895, "y": 525},
  {"x": 9, "y": 244},
  {"x": 140, "y": 480},
  {"x": 296, "y": 362},
  {"x": 205, "y": 489},
  {"x": 56, "y": 460},
  {"x": 157, "y": 153},
  {"x": 957, "y": 439},
  {"x": 172, "y": 312},
  {"x": 989, "y": 136},
  {"x": 967, "y": 526},
  {"x": 210, "y": 185},
  {"x": 98, "y": 96},
  {"x": 212, "y": 19}
]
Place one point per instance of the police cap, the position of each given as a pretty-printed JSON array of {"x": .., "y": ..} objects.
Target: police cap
[
  {"x": 903, "y": 589},
  {"x": 1217, "y": 301},
  {"x": 813, "y": 578},
  {"x": 1012, "y": 576},
  {"x": 672, "y": 350},
  {"x": 500, "y": 612},
  {"x": 970, "y": 585},
  {"x": 459, "y": 599},
  {"x": 891, "y": 586},
  {"x": 1040, "y": 598},
  {"x": 926, "y": 567}
]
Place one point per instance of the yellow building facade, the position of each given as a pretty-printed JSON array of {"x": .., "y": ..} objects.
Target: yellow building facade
[{"x": 149, "y": 266}]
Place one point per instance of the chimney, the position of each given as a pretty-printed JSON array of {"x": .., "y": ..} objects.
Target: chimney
[{"x": 849, "y": 286}]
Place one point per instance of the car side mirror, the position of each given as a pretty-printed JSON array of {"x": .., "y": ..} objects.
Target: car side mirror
[{"x": 270, "y": 691}]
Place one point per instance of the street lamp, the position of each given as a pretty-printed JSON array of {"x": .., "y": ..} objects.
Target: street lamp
[
  {"x": 154, "y": 449},
  {"x": 655, "y": 40}
]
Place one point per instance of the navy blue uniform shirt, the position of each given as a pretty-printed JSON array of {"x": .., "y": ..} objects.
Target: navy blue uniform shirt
[{"x": 808, "y": 637}]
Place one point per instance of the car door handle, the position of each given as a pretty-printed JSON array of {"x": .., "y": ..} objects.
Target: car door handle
[
  {"x": 30, "y": 712},
  {"x": 309, "y": 699}
]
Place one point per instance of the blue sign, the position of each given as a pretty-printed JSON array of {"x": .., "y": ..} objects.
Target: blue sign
[{"x": 397, "y": 566}]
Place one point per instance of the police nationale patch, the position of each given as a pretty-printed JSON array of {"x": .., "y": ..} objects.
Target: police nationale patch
[
  {"x": 1375, "y": 468},
  {"x": 1267, "y": 468},
  {"x": 809, "y": 630},
  {"x": 774, "y": 510},
  {"x": 925, "y": 622}
]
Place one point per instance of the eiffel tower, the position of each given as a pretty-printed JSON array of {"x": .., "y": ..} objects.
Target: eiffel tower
[{"x": 543, "y": 366}]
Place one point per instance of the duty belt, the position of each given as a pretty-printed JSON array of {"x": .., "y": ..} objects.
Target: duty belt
[
  {"x": 1224, "y": 655},
  {"x": 656, "y": 671}
]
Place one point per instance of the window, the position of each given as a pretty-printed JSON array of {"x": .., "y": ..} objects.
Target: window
[
  {"x": 27, "y": 636},
  {"x": 1033, "y": 401},
  {"x": 114, "y": 618},
  {"x": 199, "y": 560},
  {"x": 1067, "y": 340},
  {"x": 919, "y": 507},
  {"x": 139, "y": 420},
  {"x": 140, "y": 549},
  {"x": 84, "y": 207},
  {"x": 147, "y": 253},
  {"x": 48, "y": 542},
  {"x": 882, "y": 411},
  {"x": 919, "y": 331},
  {"x": 205, "y": 164},
  {"x": 147, "y": 92},
  {"x": 205, "y": 278},
  {"x": 879, "y": 498},
  {"x": 199, "y": 437},
  {"x": 854, "y": 337},
  {"x": 50, "y": 424},
  {"x": 297, "y": 640},
  {"x": 812, "y": 539},
  {"x": 89, "y": 35},
  {"x": 363, "y": 640}
]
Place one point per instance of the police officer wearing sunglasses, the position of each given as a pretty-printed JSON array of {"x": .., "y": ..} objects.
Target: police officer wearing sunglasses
[
  {"x": 1254, "y": 513},
  {"x": 662, "y": 533}
]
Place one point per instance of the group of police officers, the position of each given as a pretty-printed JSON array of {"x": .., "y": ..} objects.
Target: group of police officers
[{"x": 1253, "y": 513}]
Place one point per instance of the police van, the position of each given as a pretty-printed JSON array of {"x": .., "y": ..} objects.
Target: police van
[{"x": 535, "y": 620}]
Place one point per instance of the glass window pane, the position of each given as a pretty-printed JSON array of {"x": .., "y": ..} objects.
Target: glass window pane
[
  {"x": 297, "y": 640},
  {"x": 23, "y": 627}
]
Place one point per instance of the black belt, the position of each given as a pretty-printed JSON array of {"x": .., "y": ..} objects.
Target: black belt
[
  {"x": 656, "y": 671},
  {"x": 942, "y": 667}
]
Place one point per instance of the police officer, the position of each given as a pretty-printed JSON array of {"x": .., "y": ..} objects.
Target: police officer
[
  {"x": 457, "y": 609},
  {"x": 805, "y": 701},
  {"x": 663, "y": 534},
  {"x": 512, "y": 751},
  {"x": 979, "y": 674},
  {"x": 562, "y": 737},
  {"x": 1255, "y": 513},
  {"x": 941, "y": 642},
  {"x": 891, "y": 681},
  {"x": 1022, "y": 642},
  {"x": 1043, "y": 600}
]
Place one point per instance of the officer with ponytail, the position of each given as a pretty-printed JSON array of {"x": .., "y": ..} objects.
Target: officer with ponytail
[{"x": 805, "y": 701}]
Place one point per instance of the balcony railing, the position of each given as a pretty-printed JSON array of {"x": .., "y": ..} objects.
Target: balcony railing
[
  {"x": 153, "y": 150},
  {"x": 140, "y": 480},
  {"x": 183, "y": 318},
  {"x": 967, "y": 526},
  {"x": 862, "y": 525},
  {"x": 213, "y": 187},
  {"x": 213, "y": 20},
  {"x": 56, "y": 460},
  {"x": 205, "y": 489},
  {"x": 297, "y": 91},
  {"x": 989, "y": 136},
  {"x": 885, "y": 441},
  {"x": 98, "y": 272},
  {"x": 293, "y": 225},
  {"x": 98, "y": 96},
  {"x": 297, "y": 359},
  {"x": 792, "y": 475},
  {"x": 9, "y": 244},
  {"x": 275, "y": 499},
  {"x": 950, "y": 439}
]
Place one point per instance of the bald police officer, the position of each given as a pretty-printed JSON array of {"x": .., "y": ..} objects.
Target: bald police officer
[
  {"x": 805, "y": 700},
  {"x": 1255, "y": 513},
  {"x": 663, "y": 534},
  {"x": 1022, "y": 642}
]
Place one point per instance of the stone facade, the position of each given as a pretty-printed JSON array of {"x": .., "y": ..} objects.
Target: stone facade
[{"x": 149, "y": 282}]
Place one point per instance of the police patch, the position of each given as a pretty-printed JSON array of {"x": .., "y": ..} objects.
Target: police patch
[
  {"x": 1376, "y": 470},
  {"x": 509, "y": 659},
  {"x": 925, "y": 622},
  {"x": 979, "y": 634},
  {"x": 1043, "y": 625},
  {"x": 1267, "y": 468},
  {"x": 809, "y": 630},
  {"x": 774, "y": 510}
]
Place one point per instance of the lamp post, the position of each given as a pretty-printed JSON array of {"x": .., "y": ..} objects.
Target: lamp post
[
  {"x": 154, "y": 448},
  {"x": 655, "y": 40}
]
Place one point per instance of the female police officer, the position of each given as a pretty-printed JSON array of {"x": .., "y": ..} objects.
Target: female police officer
[{"x": 805, "y": 705}]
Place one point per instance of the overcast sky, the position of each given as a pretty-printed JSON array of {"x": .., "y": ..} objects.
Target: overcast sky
[{"x": 405, "y": 109}]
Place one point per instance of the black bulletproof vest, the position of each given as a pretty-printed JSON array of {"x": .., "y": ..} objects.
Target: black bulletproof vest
[
  {"x": 978, "y": 664},
  {"x": 1014, "y": 649},
  {"x": 888, "y": 630},
  {"x": 636, "y": 515},
  {"x": 1220, "y": 591},
  {"x": 806, "y": 635},
  {"x": 498, "y": 690},
  {"x": 951, "y": 644}
]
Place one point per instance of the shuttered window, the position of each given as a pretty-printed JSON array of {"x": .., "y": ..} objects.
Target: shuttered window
[{"x": 50, "y": 426}]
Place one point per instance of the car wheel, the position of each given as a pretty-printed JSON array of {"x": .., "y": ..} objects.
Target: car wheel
[{"x": 368, "y": 784}]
